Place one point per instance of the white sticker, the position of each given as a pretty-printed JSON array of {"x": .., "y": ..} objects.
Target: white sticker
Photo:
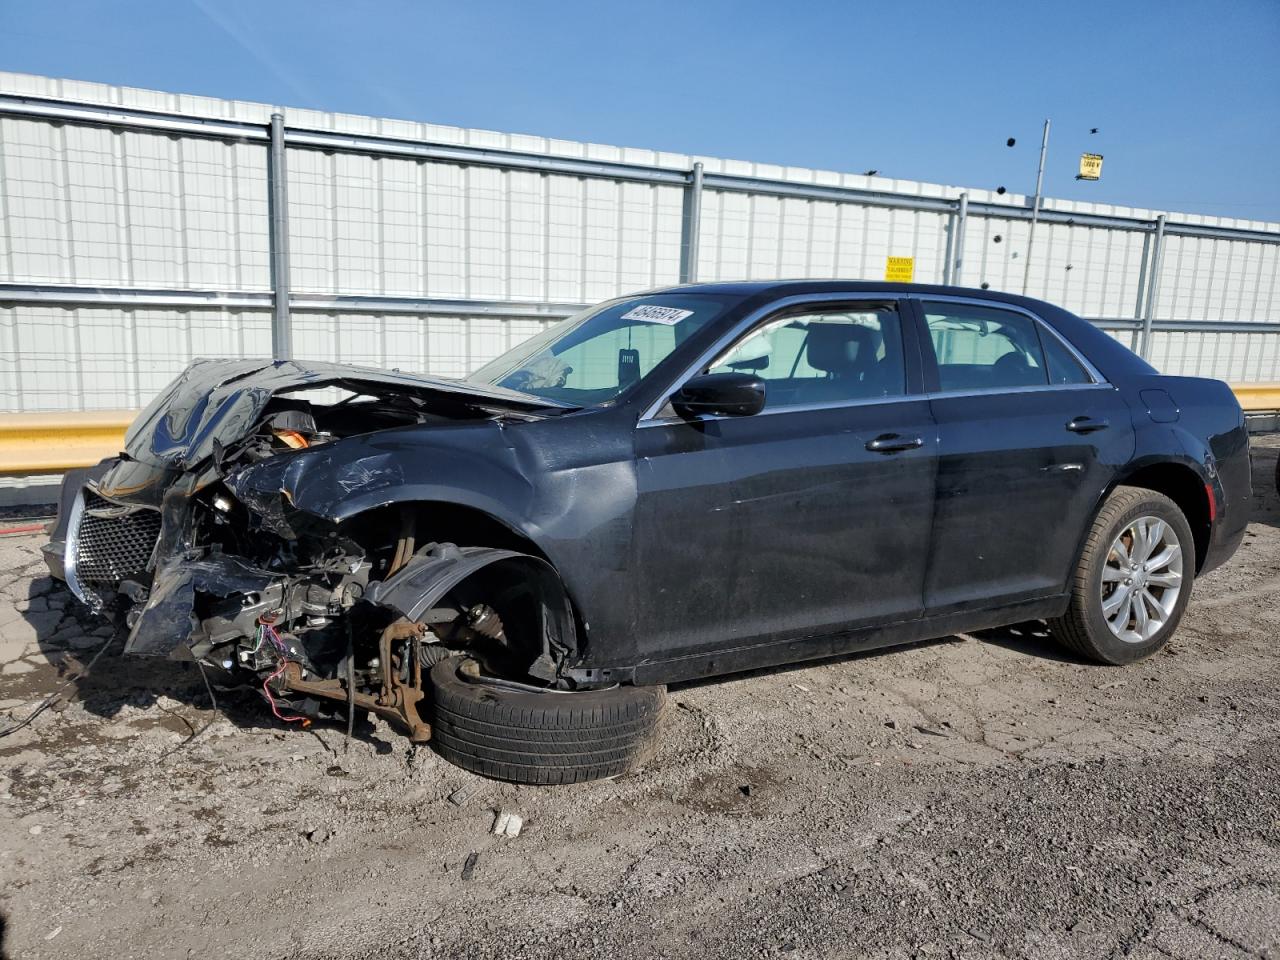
[{"x": 652, "y": 313}]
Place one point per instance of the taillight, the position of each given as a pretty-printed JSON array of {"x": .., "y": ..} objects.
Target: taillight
[{"x": 1213, "y": 503}]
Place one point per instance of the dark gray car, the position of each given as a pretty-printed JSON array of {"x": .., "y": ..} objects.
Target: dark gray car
[{"x": 673, "y": 485}]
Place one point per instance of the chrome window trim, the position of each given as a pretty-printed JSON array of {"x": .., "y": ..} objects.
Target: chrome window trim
[
  {"x": 880, "y": 401},
  {"x": 651, "y": 418},
  {"x": 1036, "y": 388}
]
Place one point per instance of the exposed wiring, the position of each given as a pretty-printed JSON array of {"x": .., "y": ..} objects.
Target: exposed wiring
[
  {"x": 278, "y": 643},
  {"x": 266, "y": 688},
  {"x": 24, "y": 528},
  {"x": 213, "y": 705},
  {"x": 52, "y": 698},
  {"x": 351, "y": 687},
  {"x": 213, "y": 701}
]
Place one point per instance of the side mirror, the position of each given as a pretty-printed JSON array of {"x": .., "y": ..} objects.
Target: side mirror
[{"x": 723, "y": 394}]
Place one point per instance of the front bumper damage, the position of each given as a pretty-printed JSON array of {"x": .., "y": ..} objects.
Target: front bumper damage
[
  {"x": 207, "y": 558},
  {"x": 333, "y": 627}
]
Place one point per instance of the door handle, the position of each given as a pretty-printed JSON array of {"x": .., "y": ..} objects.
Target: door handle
[
  {"x": 894, "y": 443},
  {"x": 1087, "y": 424}
]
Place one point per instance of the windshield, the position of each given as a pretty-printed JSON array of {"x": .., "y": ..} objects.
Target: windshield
[{"x": 594, "y": 356}]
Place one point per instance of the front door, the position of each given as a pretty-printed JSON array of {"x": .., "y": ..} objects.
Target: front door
[{"x": 810, "y": 517}]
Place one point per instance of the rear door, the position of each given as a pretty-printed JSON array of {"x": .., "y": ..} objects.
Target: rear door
[
  {"x": 804, "y": 519},
  {"x": 1029, "y": 436}
]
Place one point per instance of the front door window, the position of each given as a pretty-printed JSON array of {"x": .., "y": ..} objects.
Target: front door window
[{"x": 837, "y": 355}]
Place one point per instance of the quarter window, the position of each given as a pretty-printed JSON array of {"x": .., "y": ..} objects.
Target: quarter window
[
  {"x": 1062, "y": 366},
  {"x": 842, "y": 354},
  {"x": 979, "y": 348}
]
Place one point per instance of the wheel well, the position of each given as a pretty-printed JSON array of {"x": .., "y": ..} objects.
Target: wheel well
[
  {"x": 443, "y": 522},
  {"x": 1184, "y": 487}
]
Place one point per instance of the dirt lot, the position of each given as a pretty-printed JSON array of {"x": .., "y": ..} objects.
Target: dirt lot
[{"x": 972, "y": 797}]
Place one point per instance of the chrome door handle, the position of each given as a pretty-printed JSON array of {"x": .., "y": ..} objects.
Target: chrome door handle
[
  {"x": 1087, "y": 424},
  {"x": 893, "y": 443}
]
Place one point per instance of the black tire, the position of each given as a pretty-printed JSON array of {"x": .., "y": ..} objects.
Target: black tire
[
  {"x": 1083, "y": 628},
  {"x": 541, "y": 737}
]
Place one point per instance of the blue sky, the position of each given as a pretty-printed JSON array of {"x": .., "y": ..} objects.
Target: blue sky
[{"x": 1186, "y": 95}]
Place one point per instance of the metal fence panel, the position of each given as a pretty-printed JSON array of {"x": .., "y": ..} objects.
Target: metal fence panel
[
  {"x": 87, "y": 205},
  {"x": 447, "y": 346},
  {"x": 103, "y": 358},
  {"x": 394, "y": 227}
]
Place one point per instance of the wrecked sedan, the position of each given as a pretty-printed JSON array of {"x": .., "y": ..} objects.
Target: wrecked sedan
[{"x": 676, "y": 485}]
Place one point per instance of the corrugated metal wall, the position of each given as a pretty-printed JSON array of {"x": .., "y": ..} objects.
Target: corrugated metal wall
[{"x": 89, "y": 206}]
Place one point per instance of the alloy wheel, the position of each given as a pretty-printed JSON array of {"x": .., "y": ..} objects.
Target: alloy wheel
[{"x": 1141, "y": 579}]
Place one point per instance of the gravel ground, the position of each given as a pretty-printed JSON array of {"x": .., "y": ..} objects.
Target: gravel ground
[{"x": 974, "y": 797}]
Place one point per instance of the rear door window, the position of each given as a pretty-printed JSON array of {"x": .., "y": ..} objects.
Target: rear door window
[{"x": 983, "y": 348}]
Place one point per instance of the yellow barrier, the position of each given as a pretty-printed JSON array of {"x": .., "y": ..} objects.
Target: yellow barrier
[
  {"x": 1257, "y": 396},
  {"x": 53, "y": 442}
]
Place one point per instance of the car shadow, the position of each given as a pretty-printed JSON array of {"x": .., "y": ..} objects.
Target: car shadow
[
  {"x": 87, "y": 651},
  {"x": 1265, "y": 505},
  {"x": 1031, "y": 638},
  {"x": 784, "y": 668}
]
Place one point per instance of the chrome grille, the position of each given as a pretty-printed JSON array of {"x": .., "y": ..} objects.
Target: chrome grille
[{"x": 114, "y": 548}]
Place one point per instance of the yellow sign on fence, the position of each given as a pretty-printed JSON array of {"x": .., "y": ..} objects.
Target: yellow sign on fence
[
  {"x": 1090, "y": 166},
  {"x": 899, "y": 269}
]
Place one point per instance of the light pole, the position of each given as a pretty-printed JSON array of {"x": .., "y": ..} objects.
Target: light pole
[{"x": 1035, "y": 208}]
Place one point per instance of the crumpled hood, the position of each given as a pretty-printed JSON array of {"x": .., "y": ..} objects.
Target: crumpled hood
[{"x": 222, "y": 401}]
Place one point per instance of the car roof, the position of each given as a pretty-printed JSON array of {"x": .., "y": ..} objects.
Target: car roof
[{"x": 783, "y": 288}]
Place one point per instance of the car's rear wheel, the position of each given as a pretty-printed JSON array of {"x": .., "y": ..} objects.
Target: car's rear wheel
[
  {"x": 523, "y": 734},
  {"x": 1133, "y": 580}
]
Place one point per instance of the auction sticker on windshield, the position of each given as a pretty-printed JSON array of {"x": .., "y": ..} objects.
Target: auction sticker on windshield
[{"x": 652, "y": 313}]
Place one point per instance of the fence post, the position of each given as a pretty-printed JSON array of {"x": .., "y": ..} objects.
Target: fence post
[
  {"x": 1035, "y": 208},
  {"x": 278, "y": 193},
  {"x": 1153, "y": 288},
  {"x": 692, "y": 226},
  {"x": 949, "y": 257},
  {"x": 962, "y": 217},
  {"x": 1140, "y": 306}
]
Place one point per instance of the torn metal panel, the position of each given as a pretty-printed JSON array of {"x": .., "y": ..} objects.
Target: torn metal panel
[{"x": 167, "y": 620}]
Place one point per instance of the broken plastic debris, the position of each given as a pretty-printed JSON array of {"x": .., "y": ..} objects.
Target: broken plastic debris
[
  {"x": 463, "y": 794},
  {"x": 507, "y": 824}
]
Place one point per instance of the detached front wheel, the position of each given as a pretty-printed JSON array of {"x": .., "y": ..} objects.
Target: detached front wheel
[
  {"x": 1133, "y": 580},
  {"x": 522, "y": 734}
]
